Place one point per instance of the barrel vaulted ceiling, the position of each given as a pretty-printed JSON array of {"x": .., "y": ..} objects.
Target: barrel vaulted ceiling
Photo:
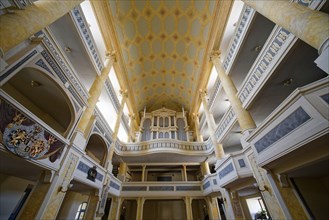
[{"x": 163, "y": 46}]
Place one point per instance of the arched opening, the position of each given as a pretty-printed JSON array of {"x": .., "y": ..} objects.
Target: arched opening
[
  {"x": 181, "y": 130},
  {"x": 147, "y": 130},
  {"x": 96, "y": 149},
  {"x": 161, "y": 121},
  {"x": 42, "y": 96},
  {"x": 166, "y": 121}
]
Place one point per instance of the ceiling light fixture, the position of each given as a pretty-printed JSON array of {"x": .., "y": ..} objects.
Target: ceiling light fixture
[
  {"x": 257, "y": 48},
  {"x": 288, "y": 82},
  {"x": 35, "y": 83},
  {"x": 67, "y": 49}
]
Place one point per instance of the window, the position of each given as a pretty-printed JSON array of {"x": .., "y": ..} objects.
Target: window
[{"x": 81, "y": 211}]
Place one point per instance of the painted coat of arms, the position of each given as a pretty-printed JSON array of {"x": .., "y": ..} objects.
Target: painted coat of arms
[{"x": 24, "y": 137}]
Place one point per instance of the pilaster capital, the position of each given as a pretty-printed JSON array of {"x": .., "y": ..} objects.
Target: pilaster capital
[
  {"x": 124, "y": 93},
  {"x": 215, "y": 54},
  {"x": 111, "y": 55},
  {"x": 132, "y": 116},
  {"x": 203, "y": 93},
  {"x": 195, "y": 116}
]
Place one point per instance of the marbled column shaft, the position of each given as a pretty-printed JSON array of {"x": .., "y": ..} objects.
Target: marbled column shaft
[
  {"x": 184, "y": 173},
  {"x": 197, "y": 128},
  {"x": 94, "y": 92},
  {"x": 140, "y": 206},
  {"x": 205, "y": 168},
  {"x": 131, "y": 136},
  {"x": 308, "y": 25},
  {"x": 117, "y": 126},
  {"x": 219, "y": 151},
  {"x": 188, "y": 205},
  {"x": 21, "y": 24},
  {"x": 244, "y": 118},
  {"x": 92, "y": 205}
]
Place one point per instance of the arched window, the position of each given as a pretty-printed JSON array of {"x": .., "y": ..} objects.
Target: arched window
[
  {"x": 161, "y": 122},
  {"x": 81, "y": 211},
  {"x": 147, "y": 130},
  {"x": 181, "y": 130},
  {"x": 166, "y": 122}
]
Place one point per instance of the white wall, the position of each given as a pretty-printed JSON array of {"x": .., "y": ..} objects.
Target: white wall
[{"x": 11, "y": 191}]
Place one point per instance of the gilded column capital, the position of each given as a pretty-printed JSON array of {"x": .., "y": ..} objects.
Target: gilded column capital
[
  {"x": 195, "y": 116},
  {"x": 132, "y": 116},
  {"x": 203, "y": 93},
  {"x": 215, "y": 54},
  {"x": 124, "y": 93},
  {"x": 111, "y": 55}
]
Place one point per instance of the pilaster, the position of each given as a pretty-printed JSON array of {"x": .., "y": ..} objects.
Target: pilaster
[{"x": 92, "y": 206}]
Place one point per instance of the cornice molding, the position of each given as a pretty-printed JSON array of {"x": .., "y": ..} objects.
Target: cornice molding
[
  {"x": 104, "y": 18},
  {"x": 87, "y": 38},
  {"x": 223, "y": 9}
]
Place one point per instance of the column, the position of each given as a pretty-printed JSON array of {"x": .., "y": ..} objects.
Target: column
[
  {"x": 219, "y": 151},
  {"x": 275, "y": 205},
  {"x": 308, "y": 25},
  {"x": 115, "y": 208},
  {"x": 236, "y": 206},
  {"x": 122, "y": 172},
  {"x": 58, "y": 188},
  {"x": 213, "y": 209},
  {"x": 36, "y": 197},
  {"x": 188, "y": 204},
  {"x": 94, "y": 92},
  {"x": 197, "y": 127},
  {"x": 92, "y": 206},
  {"x": 186, "y": 127},
  {"x": 243, "y": 116},
  {"x": 205, "y": 168},
  {"x": 116, "y": 129},
  {"x": 227, "y": 203},
  {"x": 143, "y": 173},
  {"x": 140, "y": 206},
  {"x": 131, "y": 136},
  {"x": 209, "y": 117},
  {"x": 184, "y": 173},
  {"x": 20, "y": 25}
]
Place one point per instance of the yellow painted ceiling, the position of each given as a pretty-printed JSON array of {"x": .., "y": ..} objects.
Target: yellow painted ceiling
[{"x": 163, "y": 46}]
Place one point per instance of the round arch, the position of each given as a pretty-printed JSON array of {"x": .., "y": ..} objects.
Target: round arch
[
  {"x": 44, "y": 97},
  {"x": 96, "y": 148}
]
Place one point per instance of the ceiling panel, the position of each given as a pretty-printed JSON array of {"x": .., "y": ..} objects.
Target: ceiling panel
[{"x": 163, "y": 46}]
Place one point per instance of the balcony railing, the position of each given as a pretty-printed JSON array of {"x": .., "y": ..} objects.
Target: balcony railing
[
  {"x": 234, "y": 167},
  {"x": 301, "y": 118},
  {"x": 177, "y": 188},
  {"x": 165, "y": 146}
]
